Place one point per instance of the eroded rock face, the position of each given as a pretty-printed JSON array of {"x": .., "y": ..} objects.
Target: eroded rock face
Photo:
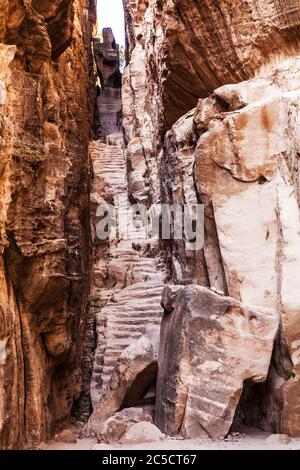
[
  {"x": 210, "y": 345},
  {"x": 46, "y": 119},
  {"x": 194, "y": 47},
  {"x": 247, "y": 169},
  {"x": 237, "y": 153}
]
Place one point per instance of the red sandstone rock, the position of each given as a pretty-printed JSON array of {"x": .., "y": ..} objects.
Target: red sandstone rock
[
  {"x": 66, "y": 436},
  {"x": 45, "y": 122}
]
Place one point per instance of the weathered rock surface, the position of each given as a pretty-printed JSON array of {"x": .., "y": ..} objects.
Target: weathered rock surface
[
  {"x": 210, "y": 345},
  {"x": 127, "y": 276},
  {"x": 133, "y": 375},
  {"x": 191, "y": 48},
  {"x": 142, "y": 432},
  {"x": 46, "y": 101},
  {"x": 66, "y": 436},
  {"x": 247, "y": 171},
  {"x": 114, "y": 428},
  {"x": 109, "y": 105},
  {"x": 236, "y": 150},
  {"x": 237, "y": 153}
]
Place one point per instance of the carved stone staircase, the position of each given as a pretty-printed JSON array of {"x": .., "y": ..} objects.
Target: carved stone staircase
[{"x": 135, "y": 276}]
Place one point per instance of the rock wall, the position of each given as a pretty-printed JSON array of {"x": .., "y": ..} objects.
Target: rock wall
[
  {"x": 236, "y": 151},
  {"x": 210, "y": 345},
  {"x": 46, "y": 101},
  {"x": 192, "y": 48}
]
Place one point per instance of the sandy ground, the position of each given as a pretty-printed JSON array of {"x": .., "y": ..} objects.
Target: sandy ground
[{"x": 253, "y": 440}]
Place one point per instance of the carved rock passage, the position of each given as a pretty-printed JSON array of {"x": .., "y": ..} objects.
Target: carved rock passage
[
  {"x": 128, "y": 280},
  {"x": 237, "y": 152}
]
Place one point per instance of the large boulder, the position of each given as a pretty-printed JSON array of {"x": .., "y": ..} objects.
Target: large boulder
[
  {"x": 134, "y": 374},
  {"x": 112, "y": 430},
  {"x": 66, "y": 436},
  {"x": 210, "y": 345},
  {"x": 141, "y": 433}
]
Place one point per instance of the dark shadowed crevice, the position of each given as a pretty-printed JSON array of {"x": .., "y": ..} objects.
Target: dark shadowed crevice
[
  {"x": 143, "y": 382},
  {"x": 261, "y": 404}
]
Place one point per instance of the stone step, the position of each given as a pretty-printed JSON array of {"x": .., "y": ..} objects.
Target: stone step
[{"x": 126, "y": 312}]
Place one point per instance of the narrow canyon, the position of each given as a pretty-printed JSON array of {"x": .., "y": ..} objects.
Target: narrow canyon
[{"x": 106, "y": 325}]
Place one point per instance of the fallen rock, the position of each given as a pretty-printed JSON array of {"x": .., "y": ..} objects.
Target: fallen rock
[
  {"x": 66, "y": 436},
  {"x": 115, "y": 427},
  {"x": 135, "y": 372},
  {"x": 141, "y": 433},
  {"x": 210, "y": 344},
  {"x": 278, "y": 439}
]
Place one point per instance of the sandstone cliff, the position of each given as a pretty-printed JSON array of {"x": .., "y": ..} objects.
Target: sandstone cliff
[
  {"x": 237, "y": 153},
  {"x": 46, "y": 87}
]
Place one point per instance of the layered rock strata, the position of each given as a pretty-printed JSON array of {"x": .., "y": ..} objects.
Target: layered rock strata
[
  {"x": 127, "y": 276},
  {"x": 210, "y": 345},
  {"x": 46, "y": 100},
  {"x": 236, "y": 152}
]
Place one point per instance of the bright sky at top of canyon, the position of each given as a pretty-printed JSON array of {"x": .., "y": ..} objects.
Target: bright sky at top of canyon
[{"x": 111, "y": 14}]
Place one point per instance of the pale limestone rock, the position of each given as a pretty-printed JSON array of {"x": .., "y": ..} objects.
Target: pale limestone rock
[
  {"x": 246, "y": 168},
  {"x": 210, "y": 345},
  {"x": 141, "y": 433},
  {"x": 278, "y": 439}
]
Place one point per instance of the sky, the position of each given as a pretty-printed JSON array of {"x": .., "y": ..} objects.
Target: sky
[{"x": 111, "y": 14}]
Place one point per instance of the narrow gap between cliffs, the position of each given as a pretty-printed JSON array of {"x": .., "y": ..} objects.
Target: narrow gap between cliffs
[{"x": 109, "y": 61}]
